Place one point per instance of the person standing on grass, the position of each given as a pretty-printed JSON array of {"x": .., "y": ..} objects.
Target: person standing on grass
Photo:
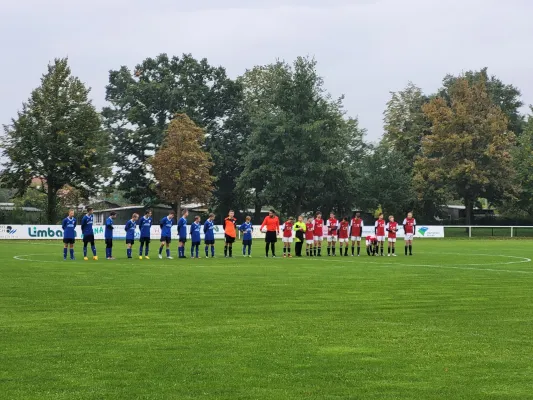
[
  {"x": 196, "y": 226},
  {"x": 356, "y": 233},
  {"x": 333, "y": 229},
  {"x": 409, "y": 228},
  {"x": 247, "y": 228},
  {"x": 392, "y": 228},
  {"x": 344, "y": 233},
  {"x": 108, "y": 235},
  {"x": 145, "y": 226},
  {"x": 300, "y": 229},
  {"x": 230, "y": 233},
  {"x": 182, "y": 233},
  {"x": 309, "y": 236},
  {"x": 287, "y": 237},
  {"x": 88, "y": 233},
  {"x": 166, "y": 234},
  {"x": 318, "y": 230},
  {"x": 209, "y": 235},
  {"x": 69, "y": 234},
  {"x": 380, "y": 232},
  {"x": 130, "y": 228},
  {"x": 271, "y": 223}
]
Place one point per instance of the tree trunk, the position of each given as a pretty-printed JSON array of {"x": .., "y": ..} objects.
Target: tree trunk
[
  {"x": 178, "y": 208},
  {"x": 51, "y": 206},
  {"x": 257, "y": 211},
  {"x": 469, "y": 208}
]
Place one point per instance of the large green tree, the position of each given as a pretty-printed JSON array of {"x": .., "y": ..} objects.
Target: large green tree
[
  {"x": 507, "y": 97},
  {"x": 523, "y": 164},
  {"x": 386, "y": 179},
  {"x": 303, "y": 152},
  {"x": 405, "y": 123},
  {"x": 144, "y": 100},
  {"x": 467, "y": 155},
  {"x": 58, "y": 137}
]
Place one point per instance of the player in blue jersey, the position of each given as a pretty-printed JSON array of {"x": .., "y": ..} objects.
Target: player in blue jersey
[
  {"x": 145, "y": 226},
  {"x": 196, "y": 226},
  {"x": 88, "y": 233},
  {"x": 108, "y": 235},
  {"x": 130, "y": 228},
  {"x": 247, "y": 229},
  {"x": 209, "y": 235},
  {"x": 166, "y": 233},
  {"x": 182, "y": 233},
  {"x": 69, "y": 234}
]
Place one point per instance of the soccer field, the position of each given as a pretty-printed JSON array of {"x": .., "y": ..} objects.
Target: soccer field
[{"x": 455, "y": 321}]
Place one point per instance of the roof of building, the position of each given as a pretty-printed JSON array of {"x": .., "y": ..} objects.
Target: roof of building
[{"x": 12, "y": 207}]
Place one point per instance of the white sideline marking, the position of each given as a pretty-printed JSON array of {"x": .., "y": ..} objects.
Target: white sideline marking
[{"x": 468, "y": 267}]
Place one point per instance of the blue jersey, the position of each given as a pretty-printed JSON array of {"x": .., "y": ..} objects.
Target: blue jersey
[
  {"x": 166, "y": 227},
  {"x": 87, "y": 225},
  {"x": 130, "y": 227},
  {"x": 195, "y": 232},
  {"x": 69, "y": 228},
  {"x": 109, "y": 228},
  {"x": 182, "y": 228},
  {"x": 145, "y": 225},
  {"x": 209, "y": 230},
  {"x": 247, "y": 228}
]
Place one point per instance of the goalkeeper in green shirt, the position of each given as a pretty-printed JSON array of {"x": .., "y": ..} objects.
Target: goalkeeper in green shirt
[{"x": 300, "y": 228}]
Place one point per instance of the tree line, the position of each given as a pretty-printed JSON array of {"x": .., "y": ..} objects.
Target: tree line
[{"x": 177, "y": 130}]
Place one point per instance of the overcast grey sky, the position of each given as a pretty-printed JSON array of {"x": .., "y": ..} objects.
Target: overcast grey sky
[{"x": 365, "y": 48}]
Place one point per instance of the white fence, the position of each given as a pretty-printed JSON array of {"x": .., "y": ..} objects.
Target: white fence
[{"x": 29, "y": 232}]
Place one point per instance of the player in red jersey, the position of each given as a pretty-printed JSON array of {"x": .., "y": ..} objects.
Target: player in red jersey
[
  {"x": 309, "y": 236},
  {"x": 344, "y": 233},
  {"x": 409, "y": 227},
  {"x": 318, "y": 232},
  {"x": 380, "y": 232},
  {"x": 392, "y": 228},
  {"x": 356, "y": 233},
  {"x": 371, "y": 245},
  {"x": 333, "y": 231},
  {"x": 287, "y": 237}
]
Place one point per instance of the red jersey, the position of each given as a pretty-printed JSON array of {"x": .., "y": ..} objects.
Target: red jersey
[
  {"x": 371, "y": 238},
  {"x": 333, "y": 226},
  {"x": 357, "y": 227},
  {"x": 309, "y": 233},
  {"x": 380, "y": 227},
  {"x": 344, "y": 230},
  {"x": 319, "y": 227},
  {"x": 409, "y": 225},
  {"x": 287, "y": 229},
  {"x": 393, "y": 228}
]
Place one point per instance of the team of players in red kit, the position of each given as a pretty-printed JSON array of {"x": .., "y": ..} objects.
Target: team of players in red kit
[{"x": 344, "y": 231}]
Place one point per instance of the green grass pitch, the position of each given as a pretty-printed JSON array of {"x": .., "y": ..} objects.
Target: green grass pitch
[{"x": 455, "y": 321}]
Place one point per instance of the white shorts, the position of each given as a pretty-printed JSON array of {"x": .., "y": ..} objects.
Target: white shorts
[
  {"x": 392, "y": 240},
  {"x": 409, "y": 236},
  {"x": 356, "y": 238},
  {"x": 319, "y": 238},
  {"x": 310, "y": 241},
  {"x": 332, "y": 238},
  {"x": 380, "y": 238},
  {"x": 369, "y": 242},
  {"x": 343, "y": 240},
  {"x": 286, "y": 240}
]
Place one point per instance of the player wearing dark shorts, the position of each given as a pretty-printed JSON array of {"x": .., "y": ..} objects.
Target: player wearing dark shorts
[
  {"x": 230, "y": 233},
  {"x": 271, "y": 223}
]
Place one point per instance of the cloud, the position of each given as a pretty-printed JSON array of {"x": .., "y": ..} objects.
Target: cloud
[{"x": 364, "y": 48}]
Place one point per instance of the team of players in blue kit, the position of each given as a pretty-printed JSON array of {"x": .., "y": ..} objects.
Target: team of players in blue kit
[{"x": 145, "y": 224}]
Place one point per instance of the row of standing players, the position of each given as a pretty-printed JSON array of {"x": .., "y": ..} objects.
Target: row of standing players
[{"x": 309, "y": 230}]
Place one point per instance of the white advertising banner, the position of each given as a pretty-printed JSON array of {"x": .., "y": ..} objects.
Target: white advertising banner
[
  {"x": 422, "y": 231},
  {"x": 28, "y": 232}
]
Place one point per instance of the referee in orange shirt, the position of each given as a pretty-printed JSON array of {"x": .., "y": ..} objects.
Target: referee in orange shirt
[{"x": 272, "y": 225}]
